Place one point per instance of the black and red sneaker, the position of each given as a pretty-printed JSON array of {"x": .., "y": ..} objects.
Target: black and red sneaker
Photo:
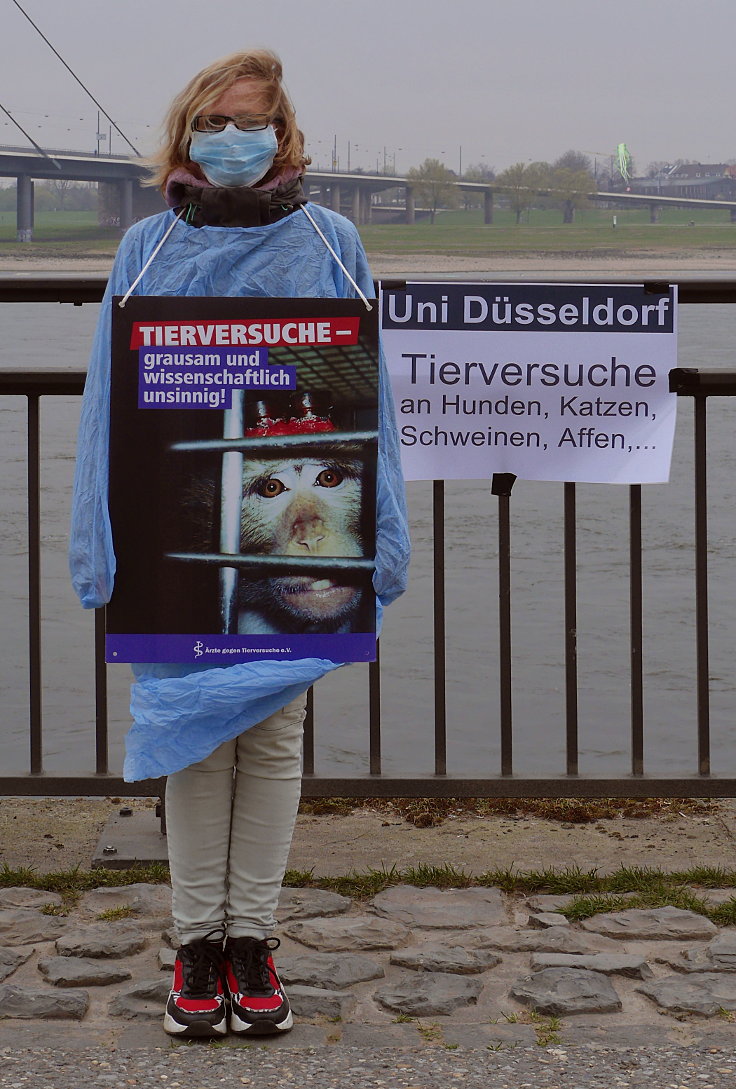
[
  {"x": 258, "y": 1004},
  {"x": 197, "y": 1005}
]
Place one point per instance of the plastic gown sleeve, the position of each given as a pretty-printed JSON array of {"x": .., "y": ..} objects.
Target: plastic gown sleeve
[
  {"x": 91, "y": 554},
  {"x": 181, "y": 713}
]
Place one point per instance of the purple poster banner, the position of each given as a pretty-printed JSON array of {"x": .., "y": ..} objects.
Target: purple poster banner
[
  {"x": 173, "y": 379},
  {"x": 222, "y": 650}
]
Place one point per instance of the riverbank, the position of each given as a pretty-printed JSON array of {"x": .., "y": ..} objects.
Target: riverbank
[
  {"x": 638, "y": 264},
  {"x": 54, "y": 834}
]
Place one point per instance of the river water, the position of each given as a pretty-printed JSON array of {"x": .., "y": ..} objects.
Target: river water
[{"x": 47, "y": 335}]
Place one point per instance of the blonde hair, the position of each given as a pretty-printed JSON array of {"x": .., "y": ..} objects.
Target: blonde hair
[{"x": 260, "y": 65}]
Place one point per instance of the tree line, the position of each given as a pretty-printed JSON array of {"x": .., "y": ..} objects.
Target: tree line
[{"x": 561, "y": 184}]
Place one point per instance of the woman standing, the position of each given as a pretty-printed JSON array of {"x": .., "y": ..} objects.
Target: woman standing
[{"x": 229, "y": 740}]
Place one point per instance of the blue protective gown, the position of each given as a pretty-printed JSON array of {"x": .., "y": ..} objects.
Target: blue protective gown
[{"x": 181, "y": 713}]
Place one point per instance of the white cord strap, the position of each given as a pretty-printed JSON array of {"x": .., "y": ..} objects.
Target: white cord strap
[
  {"x": 149, "y": 262},
  {"x": 311, "y": 219},
  {"x": 329, "y": 247}
]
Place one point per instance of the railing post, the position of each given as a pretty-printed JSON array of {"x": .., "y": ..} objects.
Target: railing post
[
  {"x": 571, "y": 630},
  {"x": 34, "y": 583},
  {"x": 410, "y": 210},
  {"x": 101, "y": 745},
  {"x": 701, "y": 584},
  {"x": 636, "y": 597},
  {"x": 501, "y": 485},
  {"x": 24, "y": 209},
  {"x": 440, "y": 679},
  {"x": 374, "y": 712},
  {"x": 308, "y": 758}
]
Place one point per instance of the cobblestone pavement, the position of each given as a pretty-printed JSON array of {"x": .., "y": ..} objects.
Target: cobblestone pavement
[{"x": 404, "y": 990}]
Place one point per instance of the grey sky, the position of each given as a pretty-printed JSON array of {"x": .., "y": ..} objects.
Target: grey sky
[{"x": 506, "y": 80}]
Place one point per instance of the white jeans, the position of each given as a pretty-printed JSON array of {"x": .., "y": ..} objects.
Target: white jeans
[{"x": 230, "y": 819}]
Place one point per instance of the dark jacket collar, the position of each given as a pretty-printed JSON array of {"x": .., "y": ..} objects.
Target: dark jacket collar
[{"x": 236, "y": 206}]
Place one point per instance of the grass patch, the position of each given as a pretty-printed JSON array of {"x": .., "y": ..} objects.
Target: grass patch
[
  {"x": 592, "y": 234},
  {"x": 569, "y": 879},
  {"x": 583, "y": 907},
  {"x": 360, "y": 886},
  {"x": 125, "y": 911},
  {"x": 547, "y": 1029},
  {"x": 430, "y": 812},
  {"x": 666, "y": 895},
  {"x": 627, "y": 887},
  {"x": 57, "y": 229},
  {"x": 328, "y": 807},
  {"x": 58, "y": 235},
  {"x": 77, "y": 880},
  {"x": 594, "y": 216},
  {"x": 54, "y": 909},
  {"x": 431, "y": 1033},
  {"x": 724, "y": 914},
  {"x": 441, "y": 877}
]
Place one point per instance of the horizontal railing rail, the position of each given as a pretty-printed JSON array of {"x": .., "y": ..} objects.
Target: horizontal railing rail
[
  {"x": 22, "y": 287},
  {"x": 698, "y": 384}
]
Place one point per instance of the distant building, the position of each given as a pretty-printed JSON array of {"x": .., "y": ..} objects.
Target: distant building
[{"x": 703, "y": 181}]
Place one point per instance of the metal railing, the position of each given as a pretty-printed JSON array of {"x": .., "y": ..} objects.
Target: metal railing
[{"x": 696, "y": 384}]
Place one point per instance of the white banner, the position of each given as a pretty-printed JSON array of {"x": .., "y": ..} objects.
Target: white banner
[{"x": 546, "y": 381}]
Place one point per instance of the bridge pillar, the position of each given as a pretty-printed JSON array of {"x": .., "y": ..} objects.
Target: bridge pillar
[
  {"x": 733, "y": 214},
  {"x": 335, "y": 197},
  {"x": 488, "y": 206},
  {"x": 324, "y": 194},
  {"x": 24, "y": 209},
  {"x": 654, "y": 213},
  {"x": 125, "y": 188},
  {"x": 365, "y": 198},
  {"x": 356, "y": 205},
  {"x": 409, "y": 204}
]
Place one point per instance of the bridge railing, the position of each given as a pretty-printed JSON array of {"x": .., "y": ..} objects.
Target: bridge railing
[{"x": 698, "y": 385}]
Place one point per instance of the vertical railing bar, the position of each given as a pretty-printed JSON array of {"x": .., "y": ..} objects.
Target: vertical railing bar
[
  {"x": 637, "y": 631},
  {"x": 501, "y": 486},
  {"x": 571, "y": 629},
  {"x": 308, "y": 756},
  {"x": 440, "y": 678},
  {"x": 701, "y": 585},
  {"x": 102, "y": 755},
  {"x": 231, "y": 502},
  {"x": 34, "y": 583},
  {"x": 374, "y": 712}
]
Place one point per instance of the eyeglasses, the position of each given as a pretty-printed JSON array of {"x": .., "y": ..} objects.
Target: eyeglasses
[{"x": 216, "y": 122}]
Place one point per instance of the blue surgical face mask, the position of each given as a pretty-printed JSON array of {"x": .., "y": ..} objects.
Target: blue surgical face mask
[{"x": 234, "y": 157}]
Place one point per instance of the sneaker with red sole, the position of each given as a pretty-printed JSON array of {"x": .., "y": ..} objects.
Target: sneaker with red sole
[
  {"x": 197, "y": 1004},
  {"x": 258, "y": 1004}
]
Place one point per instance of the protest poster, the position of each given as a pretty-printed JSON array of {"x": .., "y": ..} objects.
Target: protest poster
[
  {"x": 545, "y": 381},
  {"x": 243, "y": 450}
]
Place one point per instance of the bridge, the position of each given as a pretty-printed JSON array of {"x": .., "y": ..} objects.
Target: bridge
[{"x": 124, "y": 198}]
